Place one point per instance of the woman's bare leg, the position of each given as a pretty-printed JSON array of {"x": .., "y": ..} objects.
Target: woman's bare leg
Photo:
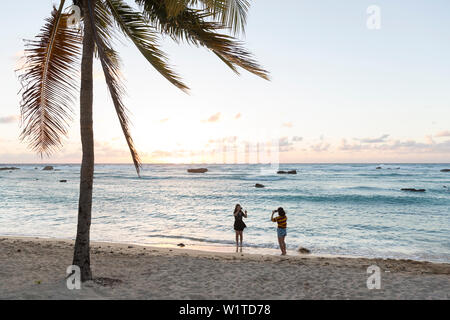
[
  {"x": 280, "y": 243},
  {"x": 241, "y": 235},
  {"x": 284, "y": 246},
  {"x": 237, "y": 239}
]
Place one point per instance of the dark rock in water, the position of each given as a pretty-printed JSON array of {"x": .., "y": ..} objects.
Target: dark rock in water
[
  {"x": 48, "y": 168},
  {"x": 200, "y": 170},
  {"x": 303, "y": 250},
  {"x": 413, "y": 190},
  {"x": 258, "y": 185},
  {"x": 62, "y": 180},
  {"x": 287, "y": 172},
  {"x": 181, "y": 245},
  {"x": 378, "y": 168},
  {"x": 9, "y": 168},
  {"x": 445, "y": 170}
]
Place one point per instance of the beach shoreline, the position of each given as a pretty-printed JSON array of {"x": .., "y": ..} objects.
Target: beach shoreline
[{"x": 35, "y": 268}]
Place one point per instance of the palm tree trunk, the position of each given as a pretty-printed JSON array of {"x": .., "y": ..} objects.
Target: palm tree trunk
[{"x": 81, "y": 255}]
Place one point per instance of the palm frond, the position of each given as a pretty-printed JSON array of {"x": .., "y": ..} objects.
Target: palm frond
[
  {"x": 236, "y": 15},
  {"x": 194, "y": 27},
  {"x": 49, "y": 83},
  {"x": 174, "y": 7},
  {"x": 133, "y": 25},
  {"x": 101, "y": 25},
  {"x": 231, "y": 13}
]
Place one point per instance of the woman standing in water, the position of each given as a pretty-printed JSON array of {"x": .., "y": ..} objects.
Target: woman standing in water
[{"x": 239, "y": 225}]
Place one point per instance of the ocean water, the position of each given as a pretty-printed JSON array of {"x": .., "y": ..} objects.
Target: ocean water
[{"x": 338, "y": 209}]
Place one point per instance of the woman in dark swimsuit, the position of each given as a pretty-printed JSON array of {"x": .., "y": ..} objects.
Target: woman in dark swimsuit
[{"x": 239, "y": 225}]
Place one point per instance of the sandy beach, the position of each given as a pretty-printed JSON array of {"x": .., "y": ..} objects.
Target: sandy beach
[{"x": 33, "y": 268}]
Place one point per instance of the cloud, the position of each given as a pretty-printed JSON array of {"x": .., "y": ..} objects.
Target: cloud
[
  {"x": 230, "y": 139},
  {"x": 18, "y": 55},
  {"x": 9, "y": 119},
  {"x": 411, "y": 146},
  {"x": 19, "y": 60},
  {"x": 320, "y": 147},
  {"x": 429, "y": 139},
  {"x": 213, "y": 118},
  {"x": 285, "y": 145},
  {"x": 106, "y": 149},
  {"x": 398, "y": 146},
  {"x": 349, "y": 147},
  {"x": 162, "y": 154},
  {"x": 381, "y": 139},
  {"x": 443, "y": 134}
]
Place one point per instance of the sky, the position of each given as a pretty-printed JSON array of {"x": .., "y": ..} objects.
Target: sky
[{"x": 340, "y": 91}]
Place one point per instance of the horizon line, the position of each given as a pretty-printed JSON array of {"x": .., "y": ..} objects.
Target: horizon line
[{"x": 206, "y": 163}]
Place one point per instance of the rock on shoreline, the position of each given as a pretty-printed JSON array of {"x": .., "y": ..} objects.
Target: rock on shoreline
[
  {"x": 303, "y": 250},
  {"x": 9, "y": 168},
  {"x": 48, "y": 168}
]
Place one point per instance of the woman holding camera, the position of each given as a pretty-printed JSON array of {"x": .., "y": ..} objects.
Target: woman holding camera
[
  {"x": 239, "y": 225},
  {"x": 281, "y": 220}
]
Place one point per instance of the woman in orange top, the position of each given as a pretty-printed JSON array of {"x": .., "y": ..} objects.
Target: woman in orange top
[{"x": 281, "y": 220}]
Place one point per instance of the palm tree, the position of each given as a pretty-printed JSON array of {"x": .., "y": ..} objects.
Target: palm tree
[{"x": 50, "y": 77}]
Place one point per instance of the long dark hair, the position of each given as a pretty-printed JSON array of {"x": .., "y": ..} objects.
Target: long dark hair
[
  {"x": 281, "y": 211},
  {"x": 235, "y": 208}
]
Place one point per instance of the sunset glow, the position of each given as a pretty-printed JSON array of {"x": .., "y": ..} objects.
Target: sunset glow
[{"x": 355, "y": 95}]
